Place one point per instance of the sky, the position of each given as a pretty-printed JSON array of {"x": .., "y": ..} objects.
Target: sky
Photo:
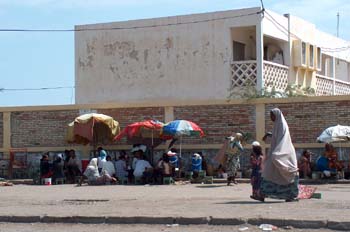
[{"x": 37, "y": 60}]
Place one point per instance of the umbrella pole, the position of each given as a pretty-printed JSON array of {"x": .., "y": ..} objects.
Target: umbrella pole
[
  {"x": 180, "y": 157},
  {"x": 152, "y": 158},
  {"x": 180, "y": 144}
]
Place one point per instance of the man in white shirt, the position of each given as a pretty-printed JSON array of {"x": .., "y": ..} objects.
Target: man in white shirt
[
  {"x": 108, "y": 167},
  {"x": 120, "y": 166},
  {"x": 141, "y": 167}
]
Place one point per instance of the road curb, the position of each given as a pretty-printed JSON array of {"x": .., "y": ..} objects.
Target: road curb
[
  {"x": 226, "y": 221},
  {"x": 139, "y": 220},
  {"x": 336, "y": 225},
  {"x": 302, "y": 224}
]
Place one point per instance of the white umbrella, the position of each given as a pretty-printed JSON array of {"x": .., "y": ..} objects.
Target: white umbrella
[{"x": 335, "y": 134}]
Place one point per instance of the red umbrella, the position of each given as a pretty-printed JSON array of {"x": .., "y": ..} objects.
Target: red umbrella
[{"x": 146, "y": 132}]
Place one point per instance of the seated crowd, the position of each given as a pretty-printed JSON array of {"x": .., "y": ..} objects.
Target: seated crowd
[
  {"x": 102, "y": 170},
  {"x": 329, "y": 163},
  {"x": 135, "y": 168},
  {"x": 67, "y": 167}
]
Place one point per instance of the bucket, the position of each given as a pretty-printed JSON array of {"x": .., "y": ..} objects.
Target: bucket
[
  {"x": 315, "y": 176},
  {"x": 47, "y": 181}
]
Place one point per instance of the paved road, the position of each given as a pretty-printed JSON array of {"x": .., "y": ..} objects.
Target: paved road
[
  {"x": 38, "y": 227},
  {"x": 169, "y": 201}
]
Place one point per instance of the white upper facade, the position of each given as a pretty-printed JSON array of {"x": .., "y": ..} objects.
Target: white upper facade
[{"x": 184, "y": 58}]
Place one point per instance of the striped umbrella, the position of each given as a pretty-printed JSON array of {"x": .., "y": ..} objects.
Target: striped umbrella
[{"x": 178, "y": 128}]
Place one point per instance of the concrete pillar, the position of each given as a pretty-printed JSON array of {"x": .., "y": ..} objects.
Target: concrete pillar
[
  {"x": 333, "y": 73},
  {"x": 7, "y": 133},
  {"x": 260, "y": 55},
  {"x": 168, "y": 116},
  {"x": 260, "y": 123},
  {"x": 168, "y": 113}
]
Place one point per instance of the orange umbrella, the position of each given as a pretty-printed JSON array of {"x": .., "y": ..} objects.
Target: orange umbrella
[{"x": 92, "y": 128}]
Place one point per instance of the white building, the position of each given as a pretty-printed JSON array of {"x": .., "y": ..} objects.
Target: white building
[{"x": 200, "y": 57}]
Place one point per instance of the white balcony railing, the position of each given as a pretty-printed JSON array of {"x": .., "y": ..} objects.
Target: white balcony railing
[
  {"x": 275, "y": 75},
  {"x": 244, "y": 73},
  {"x": 327, "y": 86}
]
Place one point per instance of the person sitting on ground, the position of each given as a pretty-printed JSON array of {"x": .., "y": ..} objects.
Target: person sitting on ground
[
  {"x": 94, "y": 177},
  {"x": 45, "y": 169},
  {"x": 304, "y": 164},
  {"x": 73, "y": 167},
  {"x": 220, "y": 171},
  {"x": 332, "y": 156},
  {"x": 166, "y": 168},
  {"x": 204, "y": 162},
  {"x": 121, "y": 168},
  {"x": 158, "y": 170},
  {"x": 256, "y": 159},
  {"x": 108, "y": 166},
  {"x": 66, "y": 159},
  {"x": 143, "y": 168},
  {"x": 102, "y": 155},
  {"x": 196, "y": 164},
  {"x": 57, "y": 167},
  {"x": 173, "y": 160}
]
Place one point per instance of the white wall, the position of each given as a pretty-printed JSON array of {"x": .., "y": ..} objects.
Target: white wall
[
  {"x": 182, "y": 62},
  {"x": 342, "y": 70}
]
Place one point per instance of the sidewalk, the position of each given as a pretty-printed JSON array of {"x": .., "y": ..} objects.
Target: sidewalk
[{"x": 183, "y": 204}]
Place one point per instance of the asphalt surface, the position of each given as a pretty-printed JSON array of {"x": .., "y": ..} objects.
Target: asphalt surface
[
  {"x": 38, "y": 227},
  {"x": 183, "y": 204}
]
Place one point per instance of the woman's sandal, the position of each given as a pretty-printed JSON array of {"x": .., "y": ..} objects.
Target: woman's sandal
[
  {"x": 257, "y": 198},
  {"x": 292, "y": 200}
]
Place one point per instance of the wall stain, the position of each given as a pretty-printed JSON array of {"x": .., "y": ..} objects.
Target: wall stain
[
  {"x": 133, "y": 55},
  {"x": 168, "y": 43},
  {"x": 91, "y": 51},
  {"x": 145, "y": 56},
  {"x": 85, "y": 63}
]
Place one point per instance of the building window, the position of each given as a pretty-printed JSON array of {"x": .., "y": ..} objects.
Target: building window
[
  {"x": 238, "y": 51},
  {"x": 303, "y": 53},
  {"x": 319, "y": 60},
  {"x": 311, "y": 57}
]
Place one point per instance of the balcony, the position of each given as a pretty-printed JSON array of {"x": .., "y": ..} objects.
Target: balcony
[
  {"x": 326, "y": 86},
  {"x": 244, "y": 73}
]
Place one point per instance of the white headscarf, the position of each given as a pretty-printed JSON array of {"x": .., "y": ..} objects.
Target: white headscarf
[
  {"x": 280, "y": 166},
  {"x": 93, "y": 164}
]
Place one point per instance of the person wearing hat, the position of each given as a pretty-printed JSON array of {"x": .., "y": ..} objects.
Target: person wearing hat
[
  {"x": 196, "y": 164},
  {"x": 173, "y": 158},
  {"x": 234, "y": 148},
  {"x": 256, "y": 159},
  {"x": 57, "y": 167}
]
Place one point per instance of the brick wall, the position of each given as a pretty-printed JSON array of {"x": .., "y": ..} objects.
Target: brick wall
[
  {"x": 126, "y": 116},
  {"x": 307, "y": 120},
  {"x": 1, "y": 130},
  {"x": 218, "y": 121},
  {"x": 40, "y": 128}
]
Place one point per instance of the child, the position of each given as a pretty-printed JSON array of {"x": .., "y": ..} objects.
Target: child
[{"x": 256, "y": 158}]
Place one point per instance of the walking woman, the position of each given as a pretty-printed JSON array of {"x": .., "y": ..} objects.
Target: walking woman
[
  {"x": 280, "y": 171},
  {"x": 233, "y": 152}
]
